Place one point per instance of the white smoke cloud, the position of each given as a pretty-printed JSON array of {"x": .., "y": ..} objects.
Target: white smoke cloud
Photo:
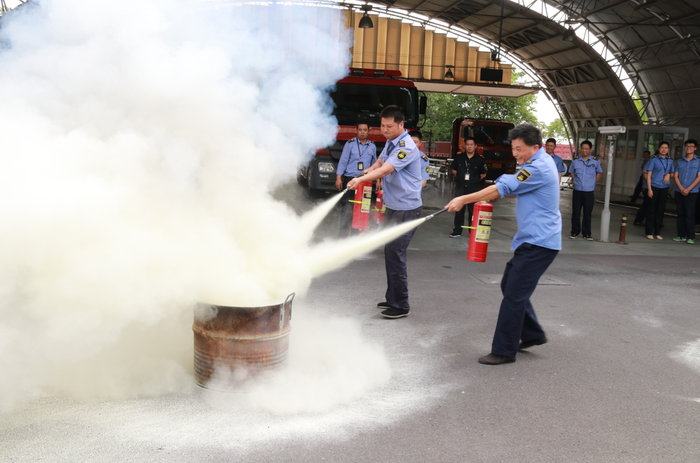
[{"x": 140, "y": 145}]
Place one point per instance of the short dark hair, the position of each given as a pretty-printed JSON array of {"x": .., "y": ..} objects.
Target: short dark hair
[
  {"x": 359, "y": 123},
  {"x": 665, "y": 143},
  {"x": 646, "y": 151},
  {"x": 587, "y": 142},
  {"x": 470, "y": 138},
  {"x": 551, "y": 140},
  {"x": 417, "y": 134},
  {"x": 689, "y": 141},
  {"x": 528, "y": 133},
  {"x": 392, "y": 112}
]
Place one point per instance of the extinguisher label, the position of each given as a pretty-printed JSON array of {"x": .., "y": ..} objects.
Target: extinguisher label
[
  {"x": 483, "y": 228},
  {"x": 366, "y": 199}
]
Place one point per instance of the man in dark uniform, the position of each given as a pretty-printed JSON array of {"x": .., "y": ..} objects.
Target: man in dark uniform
[
  {"x": 358, "y": 154},
  {"x": 400, "y": 168},
  {"x": 536, "y": 243},
  {"x": 468, "y": 169}
]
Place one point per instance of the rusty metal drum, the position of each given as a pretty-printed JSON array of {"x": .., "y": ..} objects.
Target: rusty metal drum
[{"x": 235, "y": 345}]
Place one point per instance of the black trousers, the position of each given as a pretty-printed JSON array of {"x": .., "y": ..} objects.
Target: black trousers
[
  {"x": 655, "y": 213},
  {"x": 585, "y": 200},
  {"x": 461, "y": 190},
  {"x": 516, "y": 317},
  {"x": 637, "y": 189},
  {"x": 395, "y": 253},
  {"x": 642, "y": 211},
  {"x": 685, "y": 207}
]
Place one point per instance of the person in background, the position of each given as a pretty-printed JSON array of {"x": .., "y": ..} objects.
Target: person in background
[
  {"x": 585, "y": 172},
  {"x": 399, "y": 166},
  {"x": 549, "y": 146},
  {"x": 640, "y": 184},
  {"x": 417, "y": 138},
  {"x": 468, "y": 169},
  {"x": 687, "y": 177},
  {"x": 658, "y": 177},
  {"x": 358, "y": 154},
  {"x": 536, "y": 243}
]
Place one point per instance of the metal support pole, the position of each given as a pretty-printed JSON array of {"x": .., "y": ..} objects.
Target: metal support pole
[{"x": 605, "y": 216}]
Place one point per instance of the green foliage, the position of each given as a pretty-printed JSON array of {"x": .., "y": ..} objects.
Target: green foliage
[
  {"x": 555, "y": 129},
  {"x": 445, "y": 108}
]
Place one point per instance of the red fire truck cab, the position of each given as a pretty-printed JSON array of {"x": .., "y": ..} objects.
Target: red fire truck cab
[
  {"x": 360, "y": 97},
  {"x": 492, "y": 143}
]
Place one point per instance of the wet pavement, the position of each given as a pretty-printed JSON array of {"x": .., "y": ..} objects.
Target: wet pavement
[{"x": 618, "y": 381}]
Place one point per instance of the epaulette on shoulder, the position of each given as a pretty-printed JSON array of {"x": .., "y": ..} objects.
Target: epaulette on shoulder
[{"x": 351, "y": 140}]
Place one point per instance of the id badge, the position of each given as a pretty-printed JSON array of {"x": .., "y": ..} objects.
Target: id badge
[
  {"x": 466, "y": 177},
  {"x": 360, "y": 166}
]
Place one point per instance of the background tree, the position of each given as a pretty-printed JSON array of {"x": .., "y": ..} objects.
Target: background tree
[
  {"x": 555, "y": 129},
  {"x": 445, "y": 108}
]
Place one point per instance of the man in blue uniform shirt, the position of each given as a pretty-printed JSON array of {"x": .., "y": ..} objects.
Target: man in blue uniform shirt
[
  {"x": 549, "y": 146},
  {"x": 358, "y": 154},
  {"x": 417, "y": 138},
  {"x": 536, "y": 243},
  {"x": 399, "y": 166},
  {"x": 687, "y": 188},
  {"x": 658, "y": 176},
  {"x": 586, "y": 172}
]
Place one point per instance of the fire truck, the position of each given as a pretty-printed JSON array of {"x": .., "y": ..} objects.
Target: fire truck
[
  {"x": 492, "y": 143},
  {"x": 360, "y": 97}
]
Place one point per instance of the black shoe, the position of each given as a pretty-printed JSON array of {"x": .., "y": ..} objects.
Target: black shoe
[
  {"x": 639, "y": 223},
  {"x": 588, "y": 237},
  {"x": 493, "y": 359},
  {"x": 572, "y": 236},
  {"x": 455, "y": 235},
  {"x": 394, "y": 313},
  {"x": 383, "y": 305},
  {"x": 532, "y": 342}
]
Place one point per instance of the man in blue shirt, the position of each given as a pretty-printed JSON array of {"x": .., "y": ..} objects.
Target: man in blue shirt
[
  {"x": 687, "y": 187},
  {"x": 536, "y": 243},
  {"x": 417, "y": 138},
  {"x": 549, "y": 146},
  {"x": 658, "y": 177},
  {"x": 640, "y": 184},
  {"x": 585, "y": 172},
  {"x": 358, "y": 154},
  {"x": 399, "y": 166}
]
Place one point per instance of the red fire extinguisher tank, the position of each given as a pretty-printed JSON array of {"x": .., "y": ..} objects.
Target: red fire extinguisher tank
[
  {"x": 363, "y": 206},
  {"x": 379, "y": 208},
  {"x": 480, "y": 232}
]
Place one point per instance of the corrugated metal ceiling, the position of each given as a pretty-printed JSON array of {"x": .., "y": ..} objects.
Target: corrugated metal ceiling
[{"x": 654, "y": 40}]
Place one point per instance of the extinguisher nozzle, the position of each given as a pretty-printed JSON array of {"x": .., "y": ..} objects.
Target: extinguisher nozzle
[{"x": 434, "y": 214}]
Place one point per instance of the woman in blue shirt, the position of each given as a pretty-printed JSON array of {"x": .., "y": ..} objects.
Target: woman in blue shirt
[{"x": 658, "y": 177}]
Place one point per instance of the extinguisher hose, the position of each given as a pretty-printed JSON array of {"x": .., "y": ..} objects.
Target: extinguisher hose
[{"x": 428, "y": 217}]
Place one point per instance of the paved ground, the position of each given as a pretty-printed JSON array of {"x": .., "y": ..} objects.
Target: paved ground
[{"x": 617, "y": 382}]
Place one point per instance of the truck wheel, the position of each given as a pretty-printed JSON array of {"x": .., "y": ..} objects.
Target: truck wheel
[
  {"x": 301, "y": 180},
  {"x": 566, "y": 164}
]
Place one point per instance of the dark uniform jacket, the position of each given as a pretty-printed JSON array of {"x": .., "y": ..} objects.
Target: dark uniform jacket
[{"x": 476, "y": 167}]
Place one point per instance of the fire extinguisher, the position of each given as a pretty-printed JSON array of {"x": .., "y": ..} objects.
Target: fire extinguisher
[
  {"x": 379, "y": 208},
  {"x": 362, "y": 207},
  {"x": 480, "y": 232}
]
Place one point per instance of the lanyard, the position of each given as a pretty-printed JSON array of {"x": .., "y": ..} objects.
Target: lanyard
[
  {"x": 388, "y": 153},
  {"x": 359, "y": 152},
  {"x": 665, "y": 164}
]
